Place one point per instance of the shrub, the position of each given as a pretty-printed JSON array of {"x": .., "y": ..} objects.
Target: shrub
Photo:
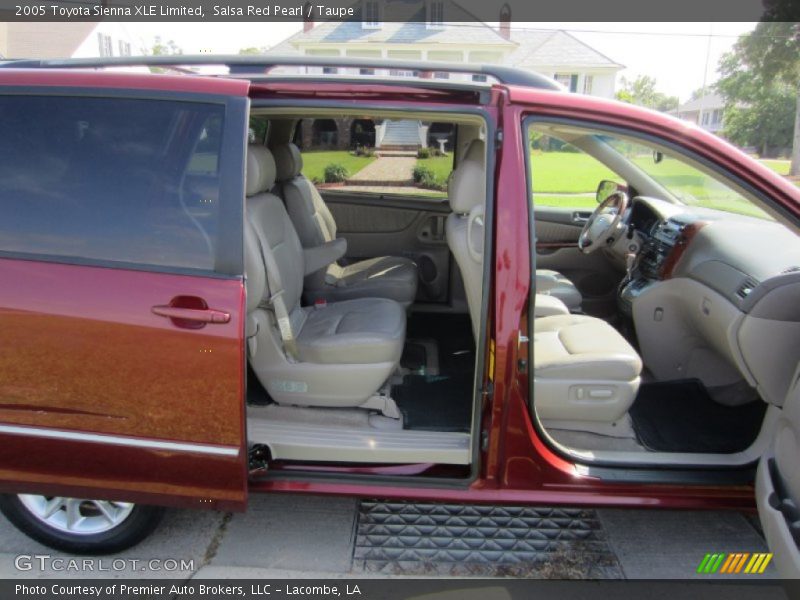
[
  {"x": 335, "y": 173},
  {"x": 368, "y": 151},
  {"x": 424, "y": 153},
  {"x": 424, "y": 177}
]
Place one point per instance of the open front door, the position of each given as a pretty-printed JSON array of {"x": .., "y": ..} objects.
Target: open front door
[
  {"x": 778, "y": 487},
  {"x": 121, "y": 297}
]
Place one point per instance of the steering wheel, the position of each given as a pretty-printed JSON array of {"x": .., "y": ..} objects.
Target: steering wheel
[{"x": 602, "y": 222}]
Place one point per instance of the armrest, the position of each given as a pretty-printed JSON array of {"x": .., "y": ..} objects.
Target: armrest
[
  {"x": 546, "y": 306},
  {"x": 319, "y": 257}
]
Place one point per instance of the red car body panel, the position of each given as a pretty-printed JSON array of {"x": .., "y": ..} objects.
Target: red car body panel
[
  {"x": 73, "y": 359},
  {"x": 84, "y": 354},
  {"x": 82, "y": 79}
]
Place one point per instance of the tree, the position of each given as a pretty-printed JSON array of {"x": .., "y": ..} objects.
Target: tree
[
  {"x": 763, "y": 63},
  {"x": 701, "y": 91},
  {"x": 161, "y": 48},
  {"x": 642, "y": 91},
  {"x": 765, "y": 122},
  {"x": 253, "y": 50}
]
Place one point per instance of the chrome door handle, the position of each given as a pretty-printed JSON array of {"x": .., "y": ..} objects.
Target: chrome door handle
[{"x": 206, "y": 315}]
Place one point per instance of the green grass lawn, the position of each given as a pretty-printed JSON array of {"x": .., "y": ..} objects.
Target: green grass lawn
[
  {"x": 441, "y": 166},
  {"x": 781, "y": 167},
  {"x": 567, "y": 172},
  {"x": 574, "y": 177},
  {"x": 314, "y": 162}
]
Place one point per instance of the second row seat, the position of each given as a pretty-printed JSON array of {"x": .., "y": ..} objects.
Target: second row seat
[
  {"x": 391, "y": 277},
  {"x": 336, "y": 355}
]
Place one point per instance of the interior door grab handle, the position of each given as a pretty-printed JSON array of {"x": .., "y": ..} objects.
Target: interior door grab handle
[
  {"x": 580, "y": 217},
  {"x": 205, "y": 315}
]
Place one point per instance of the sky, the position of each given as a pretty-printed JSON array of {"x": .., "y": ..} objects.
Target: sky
[{"x": 681, "y": 56}]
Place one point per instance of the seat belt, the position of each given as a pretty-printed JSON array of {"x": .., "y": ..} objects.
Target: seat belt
[{"x": 275, "y": 303}]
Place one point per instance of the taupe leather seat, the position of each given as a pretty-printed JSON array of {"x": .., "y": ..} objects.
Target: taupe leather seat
[
  {"x": 583, "y": 369},
  {"x": 553, "y": 283},
  {"x": 339, "y": 354},
  {"x": 391, "y": 277},
  {"x": 465, "y": 230}
]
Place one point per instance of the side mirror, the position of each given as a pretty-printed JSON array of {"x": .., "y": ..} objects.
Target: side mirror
[{"x": 608, "y": 187}]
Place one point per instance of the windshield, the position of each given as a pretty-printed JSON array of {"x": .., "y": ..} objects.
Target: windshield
[{"x": 685, "y": 182}]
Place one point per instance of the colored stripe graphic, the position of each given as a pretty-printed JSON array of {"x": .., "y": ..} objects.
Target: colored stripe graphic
[
  {"x": 701, "y": 568},
  {"x": 723, "y": 563},
  {"x": 741, "y": 562},
  {"x": 711, "y": 563},
  {"x": 733, "y": 559}
]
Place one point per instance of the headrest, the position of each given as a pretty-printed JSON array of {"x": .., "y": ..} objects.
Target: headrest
[
  {"x": 288, "y": 161},
  {"x": 260, "y": 176},
  {"x": 467, "y": 187}
]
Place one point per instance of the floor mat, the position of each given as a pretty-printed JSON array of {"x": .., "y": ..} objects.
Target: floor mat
[
  {"x": 435, "y": 403},
  {"x": 453, "y": 335},
  {"x": 680, "y": 416},
  {"x": 440, "y": 402}
]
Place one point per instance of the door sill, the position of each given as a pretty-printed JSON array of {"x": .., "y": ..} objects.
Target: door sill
[{"x": 350, "y": 442}]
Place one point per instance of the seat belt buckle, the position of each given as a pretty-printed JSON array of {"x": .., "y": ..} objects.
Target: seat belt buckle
[{"x": 320, "y": 303}]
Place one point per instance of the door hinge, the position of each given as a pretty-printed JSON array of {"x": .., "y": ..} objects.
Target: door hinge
[
  {"x": 484, "y": 440},
  {"x": 498, "y": 139},
  {"x": 488, "y": 390}
]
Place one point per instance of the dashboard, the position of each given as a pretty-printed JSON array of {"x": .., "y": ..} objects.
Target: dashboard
[{"x": 713, "y": 295}]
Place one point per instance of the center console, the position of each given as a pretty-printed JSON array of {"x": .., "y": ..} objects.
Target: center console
[{"x": 661, "y": 250}]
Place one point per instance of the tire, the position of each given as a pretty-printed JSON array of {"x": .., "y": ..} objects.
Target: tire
[{"x": 118, "y": 527}]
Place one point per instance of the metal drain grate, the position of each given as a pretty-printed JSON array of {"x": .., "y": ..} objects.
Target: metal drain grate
[{"x": 488, "y": 541}]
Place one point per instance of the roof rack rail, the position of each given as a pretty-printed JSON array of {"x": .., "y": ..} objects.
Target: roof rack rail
[{"x": 262, "y": 64}]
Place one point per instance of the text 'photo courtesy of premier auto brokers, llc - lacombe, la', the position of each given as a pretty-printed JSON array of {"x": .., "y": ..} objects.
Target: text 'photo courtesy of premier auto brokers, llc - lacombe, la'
[{"x": 213, "y": 590}]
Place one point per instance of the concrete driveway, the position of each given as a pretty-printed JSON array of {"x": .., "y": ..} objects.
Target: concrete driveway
[{"x": 306, "y": 536}]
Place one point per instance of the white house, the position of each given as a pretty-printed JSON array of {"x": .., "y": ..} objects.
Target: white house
[
  {"x": 67, "y": 40},
  {"x": 706, "y": 111},
  {"x": 440, "y": 30}
]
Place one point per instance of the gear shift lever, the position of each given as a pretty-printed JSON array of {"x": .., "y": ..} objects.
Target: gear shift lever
[{"x": 630, "y": 261}]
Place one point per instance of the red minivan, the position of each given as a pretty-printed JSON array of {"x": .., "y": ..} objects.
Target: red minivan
[{"x": 356, "y": 277}]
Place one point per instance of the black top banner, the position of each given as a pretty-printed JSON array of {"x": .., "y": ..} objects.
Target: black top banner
[{"x": 431, "y": 12}]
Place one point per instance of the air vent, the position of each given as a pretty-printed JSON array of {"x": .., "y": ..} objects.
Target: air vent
[{"x": 747, "y": 286}]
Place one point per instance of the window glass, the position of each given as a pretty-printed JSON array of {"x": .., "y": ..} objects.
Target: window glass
[
  {"x": 568, "y": 80},
  {"x": 588, "y": 80},
  {"x": 377, "y": 155},
  {"x": 562, "y": 174},
  {"x": 110, "y": 179},
  {"x": 685, "y": 182}
]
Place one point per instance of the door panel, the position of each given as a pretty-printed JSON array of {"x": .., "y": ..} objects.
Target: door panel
[
  {"x": 385, "y": 226},
  {"x": 557, "y": 231},
  {"x": 101, "y": 396},
  {"x": 778, "y": 487}
]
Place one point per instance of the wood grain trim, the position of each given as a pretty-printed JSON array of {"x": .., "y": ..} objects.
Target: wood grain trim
[
  {"x": 682, "y": 243},
  {"x": 555, "y": 245}
]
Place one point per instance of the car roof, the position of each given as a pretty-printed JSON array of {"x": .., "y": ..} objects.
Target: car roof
[{"x": 273, "y": 68}]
